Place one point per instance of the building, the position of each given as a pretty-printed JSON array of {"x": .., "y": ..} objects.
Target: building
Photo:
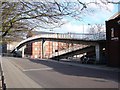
[
  {"x": 35, "y": 50},
  {"x": 3, "y": 48},
  {"x": 113, "y": 40}
]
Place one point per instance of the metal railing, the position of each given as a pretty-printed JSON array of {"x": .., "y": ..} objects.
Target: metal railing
[
  {"x": 79, "y": 36},
  {"x": 72, "y": 36},
  {"x": 71, "y": 49}
]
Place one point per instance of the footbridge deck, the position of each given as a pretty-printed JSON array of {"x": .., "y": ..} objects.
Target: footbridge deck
[{"x": 72, "y": 37}]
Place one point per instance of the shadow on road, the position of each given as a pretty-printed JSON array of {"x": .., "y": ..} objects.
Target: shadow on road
[{"x": 80, "y": 71}]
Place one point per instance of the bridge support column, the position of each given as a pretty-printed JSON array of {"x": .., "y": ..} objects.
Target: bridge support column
[
  {"x": 23, "y": 51},
  {"x": 97, "y": 52},
  {"x": 42, "y": 48}
]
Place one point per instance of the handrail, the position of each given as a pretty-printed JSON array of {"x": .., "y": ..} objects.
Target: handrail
[
  {"x": 72, "y": 36},
  {"x": 67, "y": 50}
]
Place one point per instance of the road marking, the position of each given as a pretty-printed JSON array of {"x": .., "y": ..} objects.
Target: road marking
[{"x": 40, "y": 69}]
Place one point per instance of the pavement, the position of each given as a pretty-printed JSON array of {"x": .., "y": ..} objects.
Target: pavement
[
  {"x": 79, "y": 64},
  {"x": 94, "y": 66},
  {"x": 13, "y": 72}
]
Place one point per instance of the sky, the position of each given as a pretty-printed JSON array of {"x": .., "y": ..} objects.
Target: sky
[{"x": 81, "y": 26}]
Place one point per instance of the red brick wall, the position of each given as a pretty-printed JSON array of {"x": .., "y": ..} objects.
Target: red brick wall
[
  {"x": 28, "y": 49},
  {"x": 35, "y": 49}
]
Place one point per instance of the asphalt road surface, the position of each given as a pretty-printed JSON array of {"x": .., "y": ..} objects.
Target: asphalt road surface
[{"x": 52, "y": 74}]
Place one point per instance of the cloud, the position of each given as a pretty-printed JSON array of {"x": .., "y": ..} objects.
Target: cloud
[
  {"x": 100, "y": 15},
  {"x": 73, "y": 28}
]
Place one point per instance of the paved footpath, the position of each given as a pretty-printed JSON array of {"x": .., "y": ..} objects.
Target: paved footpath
[
  {"x": 26, "y": 74},
  {"x": 16, "y": 77},
  {"x": 99, "y": 67}
]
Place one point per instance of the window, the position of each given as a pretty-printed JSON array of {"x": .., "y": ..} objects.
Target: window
[
  {"x": 36, "y": 49},
  {"x": 35, "y": 43},
  {"x": 36, "y": 56}
]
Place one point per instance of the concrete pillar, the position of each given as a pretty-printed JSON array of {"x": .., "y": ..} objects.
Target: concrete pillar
[
  {"x": 97, "y": 52},
  {"x": 23, "y": 51},
  {"x": 42, "y": 48},
  {"x": 23, "y": 55}
]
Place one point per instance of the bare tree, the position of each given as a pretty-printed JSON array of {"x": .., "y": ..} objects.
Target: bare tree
[
  {"x": 97, "y": 28},
  {"x": 19, "y": 17}
]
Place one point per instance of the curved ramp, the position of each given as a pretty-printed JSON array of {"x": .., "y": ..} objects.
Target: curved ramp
[
  {"x": 75, "y": 52},
  {"x": 75, "y": 38}
]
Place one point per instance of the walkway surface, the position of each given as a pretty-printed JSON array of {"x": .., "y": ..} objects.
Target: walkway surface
[
  {"x": 16, "y": 77},
  {"x": 94, "y": 66},
  {"x": 30, "y": 73}
]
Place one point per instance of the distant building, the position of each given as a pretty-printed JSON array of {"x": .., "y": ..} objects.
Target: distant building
[
  {"x": 3, "y": 48},
  {"x": 113, "y": 40},
  {"x": 11, "y": 45}
]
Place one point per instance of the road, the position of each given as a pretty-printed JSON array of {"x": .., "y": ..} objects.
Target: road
[{"x": 53, "y": 74}]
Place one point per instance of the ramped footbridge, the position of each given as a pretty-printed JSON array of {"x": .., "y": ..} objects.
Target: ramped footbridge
[{"x": 90, "y": 41}]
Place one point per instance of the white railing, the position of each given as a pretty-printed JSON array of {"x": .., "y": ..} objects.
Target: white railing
[
  {"x": 72, "y": 36},
  {"x": 95, "y": 36},
  {"x": 74, "y": 48}
]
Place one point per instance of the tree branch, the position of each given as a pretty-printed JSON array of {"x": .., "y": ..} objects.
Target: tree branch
[{"x": 6, "y": 32}]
